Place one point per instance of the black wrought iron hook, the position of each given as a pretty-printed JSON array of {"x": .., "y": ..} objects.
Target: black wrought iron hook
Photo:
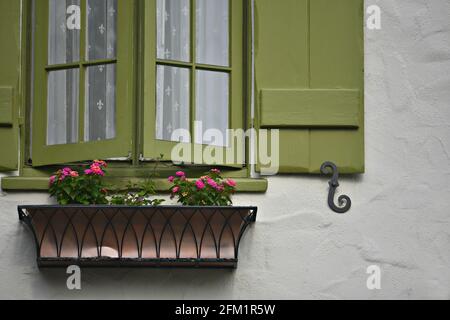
[{"x": 344, "y": 202}]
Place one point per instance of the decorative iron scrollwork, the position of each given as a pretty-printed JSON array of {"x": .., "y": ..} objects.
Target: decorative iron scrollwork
[
  {"x": 344, "y": 202},
  {"x": 126, "y": 236}
]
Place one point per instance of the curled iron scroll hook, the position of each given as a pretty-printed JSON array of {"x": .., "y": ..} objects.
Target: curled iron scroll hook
[{"x": 344, "y": 202}]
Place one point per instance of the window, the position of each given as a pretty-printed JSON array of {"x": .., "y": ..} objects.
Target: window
[
  {"x": 193, "y": 75},
  {"x": 83, "y": 102},
  {"x": 87, "y": 75}
]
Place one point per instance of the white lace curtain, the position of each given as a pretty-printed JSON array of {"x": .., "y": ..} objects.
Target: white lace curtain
[
  {"x": 63, "y": 85},
  {"x": 173, "y": 83},
  {"x": 100, "y": 81}
]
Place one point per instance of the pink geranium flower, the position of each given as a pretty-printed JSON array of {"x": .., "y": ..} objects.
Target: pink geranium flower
[
  {"x": 175, "y": 190},
  {"x": 200, "y": 185},
  {"x": 97, "y": 170},
  {"x": 171, "y": 179},
  {"x": 74, "y": 174},
  {"x": 52, "y": 179},
  {"x": 100, "y": 163},
  {"x": 180, "y": 174},
  {"x": 215, "y": 171},
  {"x": 212, "y": 183},
  {"x": 231, "y": 183},
  {"x": 66, "y": 172}
]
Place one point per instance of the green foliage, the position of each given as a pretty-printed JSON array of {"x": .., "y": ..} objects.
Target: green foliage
[
  {"x": 137, "y": 195},
  {"x": 209, "y": 190}
]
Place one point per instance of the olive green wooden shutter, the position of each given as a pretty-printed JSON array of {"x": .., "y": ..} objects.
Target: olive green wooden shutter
[
  {"x": 9, "y": 83},
  {"x": 310, "y": 81}
]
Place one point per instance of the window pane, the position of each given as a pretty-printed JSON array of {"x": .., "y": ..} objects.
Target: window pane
[
  {"x": 212, "y": 32},
  {"x": 100, "y": 113},
  {"x": 64, "y": 31},
  {"x": 62, "y": 107},
  {"x": 173, "y": 25},
  {"x": 101, "y": 26},
  {"x": 212, "y": 106},
  {"x": 172, "y": 103}
]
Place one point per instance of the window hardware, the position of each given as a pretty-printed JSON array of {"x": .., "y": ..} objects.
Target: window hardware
[{"x": 344, "y": 202}]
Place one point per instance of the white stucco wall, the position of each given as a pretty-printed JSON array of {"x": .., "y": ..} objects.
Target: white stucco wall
[{"x": 299, "y": 249}]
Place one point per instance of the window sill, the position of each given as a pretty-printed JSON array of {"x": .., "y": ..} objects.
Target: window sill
[{"x": 162, "y": 185}]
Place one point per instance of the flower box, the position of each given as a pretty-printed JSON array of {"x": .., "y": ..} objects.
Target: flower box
[{"x": 125, "y": 236}]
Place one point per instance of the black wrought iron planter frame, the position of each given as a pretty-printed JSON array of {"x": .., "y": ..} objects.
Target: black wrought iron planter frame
[{"x": 124, "y": 236}]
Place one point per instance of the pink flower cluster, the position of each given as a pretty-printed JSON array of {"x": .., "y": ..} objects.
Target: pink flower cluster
[
  {"x": 203, "y": 182},
  {"x": 207, "y": 180},
  {"x": 63, "y": 174},
  {"x": 210, "y": 189},
  {"x": 219, "y": 187},
  {"x": 231, "y": 183},
  {"x": 180, "y": 174},
  {"x": 96, "y": 168},
  {"x": 200, "y": 185}
]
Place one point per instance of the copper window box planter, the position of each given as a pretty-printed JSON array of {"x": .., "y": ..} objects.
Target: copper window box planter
[{"x": 121, "y": 236}]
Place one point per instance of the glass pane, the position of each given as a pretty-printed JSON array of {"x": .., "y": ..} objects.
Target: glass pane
[
  {"x": 173, "y": 25},
  {"x": 101, "y": 29},
  {"x": 212, "y": 106},
  {"x": 172, "y": 102},
  {"x": 64, "y": 31},
  {"x": 100, "y": 113},
  {"x": 212, "y": 32},
  {"x": 62, "y": 107}
]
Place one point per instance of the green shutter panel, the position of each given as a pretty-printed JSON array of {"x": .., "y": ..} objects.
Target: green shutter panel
[
  {"x": 9, "y": 83},
  {"x": 309, "y": 69}
]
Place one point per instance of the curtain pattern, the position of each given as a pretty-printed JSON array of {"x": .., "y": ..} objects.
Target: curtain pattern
[
  {"x": 172, "y": 101},
  {"x": 100, "y": 81},
  {"x": 212, "y": 106},
  {"x": 63, "y": 86},
  {"x": 64, "y": 43},
  {"x": 101, "y": 29},
  {"x": 172, "y": 83},
  {"x": 213, "y": 32},
  {"x": 173, "y": 30},
  {"x": 100, "y": 84},
  {"x": 100, "y": 103},
  {"x": 173, "y": 86},
  {"x": 62, "y": 102}
]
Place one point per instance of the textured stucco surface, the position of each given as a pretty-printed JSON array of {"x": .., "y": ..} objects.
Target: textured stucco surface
[{"x": 298, "y": 249}]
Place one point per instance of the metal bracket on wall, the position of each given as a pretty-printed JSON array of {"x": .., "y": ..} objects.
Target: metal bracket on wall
[{"x": 344, "y": 202}]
